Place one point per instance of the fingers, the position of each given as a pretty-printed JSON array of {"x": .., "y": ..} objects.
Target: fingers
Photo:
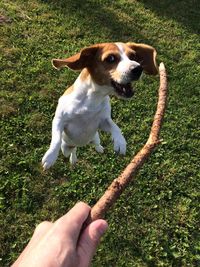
[
  {"x": 71, "y": 223},
  {"x": 41, "y": 230},
  {"x": 89, "y": 241}
]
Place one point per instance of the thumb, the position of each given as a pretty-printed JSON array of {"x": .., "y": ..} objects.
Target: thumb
[{"x": 89, "y": 241}]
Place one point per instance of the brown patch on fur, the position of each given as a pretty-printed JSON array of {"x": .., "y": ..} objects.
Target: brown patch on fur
[
  {"x": 101, "y": 70},
  {"x": 146, "y": 56},
  {"x": 84, "y": 74},
  {"x": 69, "y": 90},
  {"x": 78, "y": 61},
  {"x": 115, "y": 75}
]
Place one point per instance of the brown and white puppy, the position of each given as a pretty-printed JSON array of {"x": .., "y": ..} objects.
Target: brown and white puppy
[{"x": 106, "y": 69}]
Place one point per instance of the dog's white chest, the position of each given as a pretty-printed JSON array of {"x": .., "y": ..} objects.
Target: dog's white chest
[
  {"x": 82, "y": 127},
  {"x": 81, "y": 120}
]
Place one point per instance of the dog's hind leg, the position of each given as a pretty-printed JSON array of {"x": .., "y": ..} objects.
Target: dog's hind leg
[
  {"x": 66, "y": 149},
  {"x": 96, "y": 142},
  {"x": 69, "y": 151},
  {"x": 73, "y": 158}
]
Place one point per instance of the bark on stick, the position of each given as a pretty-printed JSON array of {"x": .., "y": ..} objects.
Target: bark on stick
[{"x": 119, "y": 184}]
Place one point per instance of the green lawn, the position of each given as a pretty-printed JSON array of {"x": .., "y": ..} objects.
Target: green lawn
[{"x": 156, "y": 220}]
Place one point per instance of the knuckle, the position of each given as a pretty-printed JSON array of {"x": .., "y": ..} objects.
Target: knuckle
[{"x": 43, "y": 226}]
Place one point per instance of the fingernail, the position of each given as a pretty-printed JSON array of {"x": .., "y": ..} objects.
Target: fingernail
[{"x": 103, "y": 227}]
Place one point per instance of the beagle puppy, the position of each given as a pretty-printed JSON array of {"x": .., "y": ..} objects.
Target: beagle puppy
[{"x": 84, "y": 108}]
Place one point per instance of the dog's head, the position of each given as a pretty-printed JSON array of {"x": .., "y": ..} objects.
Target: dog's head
[{"x": 114, "y": 65}]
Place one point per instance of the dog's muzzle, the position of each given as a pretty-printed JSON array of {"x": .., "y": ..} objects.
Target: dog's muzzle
[{"x": 126, "y": 90}]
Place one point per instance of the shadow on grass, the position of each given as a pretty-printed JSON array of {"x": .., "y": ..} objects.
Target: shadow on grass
[
  {"x": 100, "y": 19},
  {"x": 183, "y": 11}
]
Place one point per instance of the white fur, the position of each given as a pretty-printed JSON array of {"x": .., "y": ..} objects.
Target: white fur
[
  {"x": 77, "y": 119},
  {"x": 125, "y": 65}
]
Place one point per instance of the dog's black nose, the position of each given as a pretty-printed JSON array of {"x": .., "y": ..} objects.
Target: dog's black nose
[{"x": 136, "y": 73}]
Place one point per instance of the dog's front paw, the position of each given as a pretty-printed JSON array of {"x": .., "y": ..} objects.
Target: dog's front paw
[
  {"x": 48, "y": 159},
  {"x": 120, "y": 145}
]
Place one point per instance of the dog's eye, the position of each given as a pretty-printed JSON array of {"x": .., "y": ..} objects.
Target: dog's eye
[
  {"x": 111, "y": 59},
  {"x": 132, "y": 56}
]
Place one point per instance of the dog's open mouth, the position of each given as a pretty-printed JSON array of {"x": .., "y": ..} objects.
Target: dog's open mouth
[{"x": 123, "y": 90}]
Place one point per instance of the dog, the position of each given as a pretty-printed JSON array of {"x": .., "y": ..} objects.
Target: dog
[{"x": 84, "y": 108}]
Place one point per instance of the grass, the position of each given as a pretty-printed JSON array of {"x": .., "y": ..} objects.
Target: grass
[{"x": 155, "y": 222}]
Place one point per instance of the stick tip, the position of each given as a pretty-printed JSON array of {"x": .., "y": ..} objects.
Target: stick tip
[{"x": 161, "y": 66}]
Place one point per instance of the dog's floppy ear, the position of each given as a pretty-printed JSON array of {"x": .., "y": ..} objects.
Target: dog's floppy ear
[
  {"x": 78, "y": 61},
  {"x": 146, "y": 56}
]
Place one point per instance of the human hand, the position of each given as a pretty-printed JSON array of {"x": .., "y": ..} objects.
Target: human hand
[{"x": 63, "y": 244}]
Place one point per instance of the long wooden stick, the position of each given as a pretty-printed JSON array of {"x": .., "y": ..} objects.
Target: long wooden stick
[{"x": 119, "y": 184}]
